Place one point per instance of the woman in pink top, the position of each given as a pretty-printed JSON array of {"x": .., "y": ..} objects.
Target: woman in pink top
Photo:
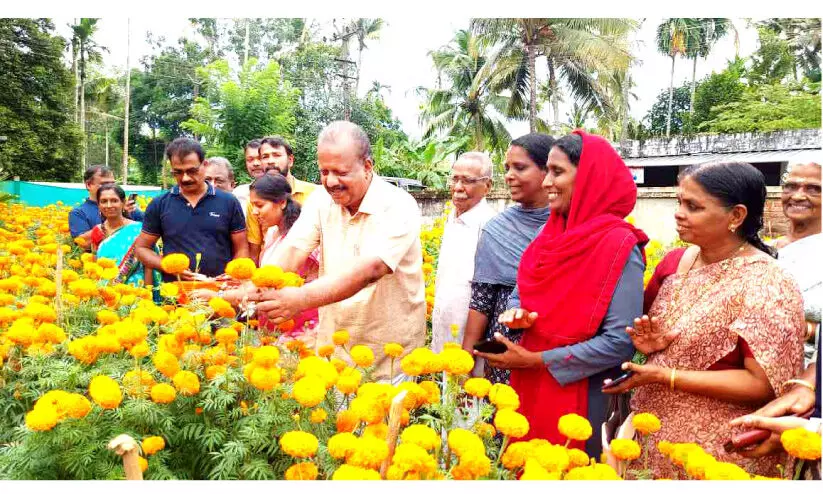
[{"x": 272, "y": 204}]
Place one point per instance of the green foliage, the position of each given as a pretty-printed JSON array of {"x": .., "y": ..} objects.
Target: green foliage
[
  {"x": 768, "y": 108},
  {"x": 718, "y": 89},
  {"x": 35, "y": 103},
  {"x": 658, "y": 114},
  {"x": 773, "y": 61},
  {"x": 256, "y": 103}
]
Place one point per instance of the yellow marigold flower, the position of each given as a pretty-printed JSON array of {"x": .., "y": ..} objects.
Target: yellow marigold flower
[
  {"x": 577, "y": 458},
  {"x": 349, "y": 380},
  {"x": 162, "y": 393},
  {"x": 475, "y": 464},
  {"x": 266, "y": 356},
  {"x": 106, "y": 263},
  {"x": 268, "y": 277},
  {"x": 340, "y": 337},
  {"x": 379, "y": 431},
  {"x": 419, "y": 361},
  {"x": 318, "y": 415},
  {"x": 533, "y": 471},
  {"x": 152, "y": 445},
  {"x": 166, "y": 363},
  {"x": 105, "y": 392},
  {"x": 140, "y": 350},
  {"x": 421, "y": 435},
  {"x": 347, "y": 421},
  {"x": 109, "y": 273},
  {"x": 222, "y": 308},
  {"x": 574, "y": 427},
  {"x": 696, "y": 464},
  {"x": 511, "y": 423},
  {"x": 169, "y": 290},
  {"x": 666, "y": 448},
  {"x": 367, "y": 410},
  {"x": 299, "y": 444},
  {"x": 242, "y": 268},
  {"x": 362, "y": 355},
  {"x": 226, "y": 336},
  {"x": 309, "y": 391},
  {"x": 265, "y": 378},
  {"x": 516, "y": 454},
  {"x": 325, "y": 351},
  {"x": 312, "y": 365},
  {"x": 393, "y": 350},
  {"x": 186, "y": 383},
  {"x": 107, "y": 317},
  {"x": 77, "y": 406},
  {"x": 213, "y": 371},
  {"x": 410, "y": 457},
  {"x": 477, "y": 386},
  {"x": 302, "y": 471},
  {"x": 681, "y": 451},
  {"x": 552, "y": 457},
  {"x": 625, "y": 449},
  {"x": 50, "y": 333},
  {"x": 144, "y": 463},
  {"x": 349, "y": 472},
  {"x": 342, "y": 444},
  {"x": 484, "y": 430},
  {"x": 801, "y": 444},
  {"x": 646, "y": 423},
  {"x": 369, "y": 453},
  {"x": 42, "y": 419},
  {"x": 504, "y": 396},
  {"x": 175, "y": 263},
  {"x": 82, "y": 242},
  {"x": 462, "y": 442},
  {"x": 84, "y": 349},
  {"x": 137, "y": 383},
  {"x": 432, "y": 391},
  {"x": 721, "y": 470}
]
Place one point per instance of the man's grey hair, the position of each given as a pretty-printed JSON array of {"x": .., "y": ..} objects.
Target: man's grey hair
[
  {"x": 333, "y": 131},
  {"x": 486, "y": 166},
  {"x": 221, "y": 161}
]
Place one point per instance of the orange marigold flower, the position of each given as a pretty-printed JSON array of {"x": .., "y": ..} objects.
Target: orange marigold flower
[
  {"x": 175, "y": 263},
  {"x": 241, "y": 269}
]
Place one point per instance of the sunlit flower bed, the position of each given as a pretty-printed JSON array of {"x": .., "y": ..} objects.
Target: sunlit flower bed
[{"x": 83, "y": 361}]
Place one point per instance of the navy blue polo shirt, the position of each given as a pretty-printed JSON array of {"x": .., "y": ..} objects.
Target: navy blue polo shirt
[
  {"x": 87, "y": 215},
  {"x": 205, "y": 228}
]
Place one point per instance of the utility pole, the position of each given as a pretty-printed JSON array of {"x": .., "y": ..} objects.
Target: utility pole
[
  {"x": 246, "y": 43},
  {"x": 345, "y": 64},
  {"x": 128, "y": 94}
]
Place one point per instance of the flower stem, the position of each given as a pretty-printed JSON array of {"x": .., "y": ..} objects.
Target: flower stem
[{"x": 797, "y": 469}]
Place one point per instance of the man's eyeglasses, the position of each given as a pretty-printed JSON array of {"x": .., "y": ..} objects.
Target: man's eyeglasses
[
  {"x": 190, "y": 172},
  {"x": 810, "y": 189},
  {"x": 466, "y": 180}
]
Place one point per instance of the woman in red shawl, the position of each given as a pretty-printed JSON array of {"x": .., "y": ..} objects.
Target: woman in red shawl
[{"x": 579, "y": 284}]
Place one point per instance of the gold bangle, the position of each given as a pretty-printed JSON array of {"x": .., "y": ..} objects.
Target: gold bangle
[
  {"x": 671, "y": 379},
  {"x": 801, "y": 382}
]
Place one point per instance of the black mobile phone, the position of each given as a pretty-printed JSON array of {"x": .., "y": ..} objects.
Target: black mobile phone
[
  {"x": 133, "y": 197},
  {"x": 490, "y": 346},
  {"x": 619, "y": 380}
]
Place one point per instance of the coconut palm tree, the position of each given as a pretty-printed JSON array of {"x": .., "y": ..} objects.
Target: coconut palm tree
[
  {"x": 709, "y": 32},
  {"x": 89, "y": 52},
  {"x": 364, "y": 29},
  {"x": 575, "y": 51},
  {"x": 674, "y": 37},
  {"x": 466, "y": 104}
]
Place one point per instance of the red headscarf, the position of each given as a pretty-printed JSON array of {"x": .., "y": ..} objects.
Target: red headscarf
[{"x": 568, "y": 275}]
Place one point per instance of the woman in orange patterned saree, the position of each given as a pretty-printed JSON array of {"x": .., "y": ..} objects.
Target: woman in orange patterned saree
[{"x": 726, "y": 328}]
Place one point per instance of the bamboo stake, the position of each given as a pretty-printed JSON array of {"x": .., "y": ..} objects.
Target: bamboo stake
[
  {"x": 125, "y": 446},
  {"x": 58, "y": 282},
  {"x": 395, "y": 414}
]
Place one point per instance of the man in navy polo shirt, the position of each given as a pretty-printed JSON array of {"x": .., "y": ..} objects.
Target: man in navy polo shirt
[
  {"x": 86, "y": 216},
  {"x": 192, "y": 218}
]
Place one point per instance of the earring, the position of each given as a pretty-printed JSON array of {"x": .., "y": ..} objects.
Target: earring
[{"x": 732, "y": 228}]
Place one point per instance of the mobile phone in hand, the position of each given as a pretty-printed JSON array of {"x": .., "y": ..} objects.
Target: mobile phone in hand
[
  {"x": 490, "y": 346},
  {"x": 619, "y": 380},
  {"x": 133, "y": 197}
]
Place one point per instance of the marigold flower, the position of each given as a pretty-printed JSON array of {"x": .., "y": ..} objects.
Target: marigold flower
[
  {"x": 265, "y": 378},
  {"x": 302, "y": 471},
  {"x": 152, "y": 445},
  {"x": 393, "y": 350},
  {"x": 720, "y": 470},
  {"x": 136, "y": 383},
  {"x": 266, "y": 356},
  {"x": 341, "y": 337},
  {"x": 421, "y": 435},
  {"x": 462, "y": 442},
  {"x": 342, "y": 444},
  {"x": 511, "y": 423},
  {"x": 477, "y": 386},
  {"x": 432, "y": 391},
  {"x": 474, "y": 464},
  {"x": 325, "y": 351},
  {"x": 105, "y": 392},
  {"x": 409, "y": 457},
  {"x": 362, "y": 355},
  {"x": 299, "y": 444},
  {"x": 226, "y": 336},
  {"x": 309, "y": 391},
  {"x": 369, "y": 452},
  {"x": 696, "y": 464},
  {"x": 169, "y": 290},
  {"x": 175, "y": 263},
  {"x": 457, "y": 361},
  {"x": 163, "y": 393},
  {"x": 504, "y": 396},
  {"x": 43, "y": 419},
  {"x": 268, "y": 277},
  {"x": 367, "y": 409},
  {"x": 186, "y": 383},
  {"x": 625, "y": 449},
  {"x": 349, "y": 472},
  {"x": 552, "y": 457},
  {"x": 107, "y": 317},
  {"x": 166, "y": 363},
  {"x": 222, "y": 308},
  {"x": 577, "y": 458},
  {"x": 312, "y": 365},
  {"x": 516, "y": 454},
  {"x": 484, "y": 430},
  {"x": 241, "y": 268},
  {"x": 347, "y": 421},
  {"x": 534, "y": 471},
  {"x": 801, "y": 443},
  {"x": 646, "y": 423},
  {"x": 144, "y": 463},
  {"x": 575, "y": 427},
  {"x": 349, "y": 380},
  {"x": 666, "y": 448},
  {"x": 213, "y": 371}
]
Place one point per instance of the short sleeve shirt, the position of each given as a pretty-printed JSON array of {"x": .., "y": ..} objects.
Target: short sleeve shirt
[
  {"x": 387, "y": 226},
  {"x": 87, "y": 215},
  {"x": 204, "y": 229}
]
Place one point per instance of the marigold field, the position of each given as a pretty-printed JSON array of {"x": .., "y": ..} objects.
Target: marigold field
[{"x": 83, "y": 361}]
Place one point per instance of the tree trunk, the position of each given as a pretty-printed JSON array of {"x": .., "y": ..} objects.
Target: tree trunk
[
  {"x": 83, "y": 101},
  {"x": 671, "y": 99},
  {"x": 624, "y": 114},
  {"x": 106, "y": 126},
  {"x": 478, "y": 133},
  {"x": 554, "y": 95},
  {"x": 694, "y": 86},
  {"x": 532, "y": 89},
  {"x": 74, "y": 70},
  {"x": 125, "y": 171},
  {"x": 246, "y": 44},
  {"x": 359, "y": 64}
]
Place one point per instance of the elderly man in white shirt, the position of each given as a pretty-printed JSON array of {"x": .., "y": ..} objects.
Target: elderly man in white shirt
[{"x": 469, "y": 181}]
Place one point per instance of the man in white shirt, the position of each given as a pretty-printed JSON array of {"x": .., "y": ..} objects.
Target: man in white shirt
[{"x": 469, "y": 181}]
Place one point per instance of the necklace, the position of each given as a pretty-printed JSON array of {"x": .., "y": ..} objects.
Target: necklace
[{"x": 674, "y": 312}]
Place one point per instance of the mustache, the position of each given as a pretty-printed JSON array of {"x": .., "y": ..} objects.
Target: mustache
[{"x": 339, "y": 188}]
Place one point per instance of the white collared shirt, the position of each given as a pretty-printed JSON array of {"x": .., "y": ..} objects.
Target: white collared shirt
[{"x": 455, "y": 270}]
